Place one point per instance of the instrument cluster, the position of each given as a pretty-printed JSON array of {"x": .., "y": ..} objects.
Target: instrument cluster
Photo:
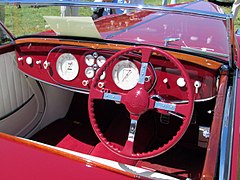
[
  {"x": 74, "y": 68},
  {"x": 94, "y": 61},
  {"x": 70, "y": 69}
]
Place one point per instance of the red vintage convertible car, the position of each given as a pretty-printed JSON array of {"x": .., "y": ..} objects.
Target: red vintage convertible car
[{"x": 152, "y": 93}]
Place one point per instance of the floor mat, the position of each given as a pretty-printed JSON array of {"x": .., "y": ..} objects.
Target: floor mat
[
  {"x": 101, "y": 151},
  {"x": 180, "y": 161},
  {"x": 73, "y": 144}
]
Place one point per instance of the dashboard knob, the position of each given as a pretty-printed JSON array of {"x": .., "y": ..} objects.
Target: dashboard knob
[
  {"x": 85, "y": 82},
  {"x": 181, "y": 82},
  {"x": 197, "y": 85},
  {"x": 29, "y": 60},
  {"x": 38, "y": 62},
  {"x": 20, "y": 58},
  {"x": 46, "y": 64},
  {"x": 165, "y": 80},
  {"x": 101, "y": 84}
]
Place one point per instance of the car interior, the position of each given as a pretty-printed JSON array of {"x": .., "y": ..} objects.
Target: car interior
[{"x": 147, "y": 106}]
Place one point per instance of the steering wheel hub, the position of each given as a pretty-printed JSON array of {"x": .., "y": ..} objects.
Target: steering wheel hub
[{"x": 137, "y": 100}]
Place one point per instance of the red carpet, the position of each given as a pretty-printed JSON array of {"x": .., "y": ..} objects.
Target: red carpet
[
  {"x": 101, "y": 151},
  {"x": 75, "y": 145}
]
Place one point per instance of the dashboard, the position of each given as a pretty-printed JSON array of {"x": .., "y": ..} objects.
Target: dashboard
[{"x": 74, "y": 67}]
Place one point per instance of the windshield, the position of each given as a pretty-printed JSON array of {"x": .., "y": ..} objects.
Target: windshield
[{"x": 149, "y": 27}]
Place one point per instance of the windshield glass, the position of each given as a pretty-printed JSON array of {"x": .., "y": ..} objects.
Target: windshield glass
[{"x": 159, "y": 28}]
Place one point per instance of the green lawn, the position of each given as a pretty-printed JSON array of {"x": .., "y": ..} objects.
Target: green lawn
[{"x": 26, "y": 19}]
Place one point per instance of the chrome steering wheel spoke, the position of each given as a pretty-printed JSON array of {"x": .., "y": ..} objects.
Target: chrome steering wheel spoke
[{"x": 128, "y": 147}]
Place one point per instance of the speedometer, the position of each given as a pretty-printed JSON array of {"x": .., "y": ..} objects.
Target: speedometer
[
  {"x": 67, "y": 66},
  {"x": 125, "y": 75}
]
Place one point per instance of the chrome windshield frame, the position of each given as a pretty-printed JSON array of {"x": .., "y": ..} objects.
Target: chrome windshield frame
[{"x": 175, "y": 10}]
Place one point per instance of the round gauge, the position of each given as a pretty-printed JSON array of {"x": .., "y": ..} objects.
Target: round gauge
[
  {"x": 89, "y": 72},
  {"x": 102, "y": 77},
  {"x": 125, "y": 74},
  {"x": 101, "y": 60},
  {"x": 67, "y": 66},
  {"x": 89, "y": 60}
]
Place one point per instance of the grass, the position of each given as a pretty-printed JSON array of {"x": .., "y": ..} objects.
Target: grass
[{"x": 17, "y": 20}]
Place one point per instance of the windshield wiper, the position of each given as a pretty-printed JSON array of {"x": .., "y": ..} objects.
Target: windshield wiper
[{"x": 203, "y": 51}]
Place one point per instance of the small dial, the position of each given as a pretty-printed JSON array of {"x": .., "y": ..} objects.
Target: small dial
[
  {"x": 89, "y": 60},
  {"x": 67, "y": 66},
  {"x": 125, "y": 74},
  {"x": 89, "y": 72},
  {"x": 101, "y": 60},
  {"x": 102, "y": 77}
]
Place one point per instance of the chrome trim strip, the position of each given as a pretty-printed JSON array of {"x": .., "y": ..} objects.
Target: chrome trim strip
[
  {"x": 113, "y": 97},
  {"x": 224, "y": 138},
  {"x": 193, "y": 50},
  {"x": 230, "y": 30},
  {"x": 226, "y": 143},
  {"x": 178, "y": 10},
  {"x": 142, "y": 74},
  {"x": 80, "y": 90},
  {"x": 165, "y": 106},
  {"x": 132, "y": 130},
  {"x": 84, "y": 91}
]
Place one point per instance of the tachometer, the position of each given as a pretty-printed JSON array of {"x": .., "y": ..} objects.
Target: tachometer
[
  {"x": 67, "y": 66},
  {"x": 125, "y": 74}
]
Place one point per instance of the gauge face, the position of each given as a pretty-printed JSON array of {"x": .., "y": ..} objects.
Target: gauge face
[
  {"x": 101, "y": 60},
  {"x": 102, "y": 77},
  {"x": 67, "y": 66},
  {"x": 125, "y": 74},
  {"x": 89, "y": 72},
  {"x": 89, "y": 60}
]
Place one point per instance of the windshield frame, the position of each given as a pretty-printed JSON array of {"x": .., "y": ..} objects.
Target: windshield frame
[{"x": 171, "y": 9}]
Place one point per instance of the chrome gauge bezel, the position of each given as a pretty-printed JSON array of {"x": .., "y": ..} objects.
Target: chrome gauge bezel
[
  {"x": 89, "y": 72},
  {"x": 67, "y": 66},
  {"x": 103, "y": 75},
  {"x": 89, "y": 60},
  {"x": 101, "y": 60},
  {"x": 125, "y": 74}
]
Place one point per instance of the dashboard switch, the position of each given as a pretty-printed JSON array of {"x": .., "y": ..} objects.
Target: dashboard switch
[
  {"x": 165, "y": 80},
  {"x": 101, "y": 84},
  {"x": 197, "y": 85},
  {"x": 20, "y": 58},
  {"x": 38, "y": 62},
  {"x": 85, "y": 82},
  {"x": 29, "y": 60},
  {"x": 46, "y": 64},
  {"x": 181, "y": 82}
]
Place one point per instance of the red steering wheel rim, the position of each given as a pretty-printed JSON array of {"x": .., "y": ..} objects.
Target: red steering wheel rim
[{"x": 187, "y": 109}]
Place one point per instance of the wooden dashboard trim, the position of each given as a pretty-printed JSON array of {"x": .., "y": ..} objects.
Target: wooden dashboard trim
[{"x": 210, "y": 64}]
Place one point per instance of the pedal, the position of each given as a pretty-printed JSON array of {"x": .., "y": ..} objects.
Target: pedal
[{"x": 164, "y": 119}]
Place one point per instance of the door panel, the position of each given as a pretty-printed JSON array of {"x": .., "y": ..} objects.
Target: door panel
[
  {"x": 21, "y": 98},
  {"x": 14, "y": 90}
]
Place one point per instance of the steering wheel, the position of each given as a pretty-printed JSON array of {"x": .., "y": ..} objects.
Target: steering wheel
[{"x": 137, "y": 101}]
